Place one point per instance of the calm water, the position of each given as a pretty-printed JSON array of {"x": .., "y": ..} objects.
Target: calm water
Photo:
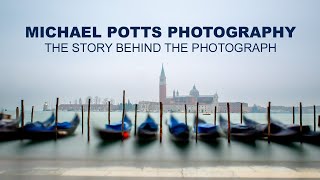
[{"x": 154, "y": 153}]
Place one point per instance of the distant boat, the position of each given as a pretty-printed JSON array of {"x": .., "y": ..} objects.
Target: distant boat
[
  {"x": 238, "y": 131},
  {"x": 178, "y": 130},
  {"x": 206, "y": 114},
  {"x": 114, "y": 130},
  {"x": 206, "y": 131},
  {"x": 148, "y": 130},
  {"x": 278, "y": 132},
  {"x": 46, "y": 130}
]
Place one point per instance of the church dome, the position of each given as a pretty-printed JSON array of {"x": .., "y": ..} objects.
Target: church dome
[{"x": 194, "y": 92}]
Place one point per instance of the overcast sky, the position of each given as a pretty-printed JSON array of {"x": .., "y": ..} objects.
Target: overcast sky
[{"x": 285, "y": 78}]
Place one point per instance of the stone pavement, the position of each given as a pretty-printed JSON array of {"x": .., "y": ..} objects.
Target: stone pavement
[{"x": 149, "y": 172}]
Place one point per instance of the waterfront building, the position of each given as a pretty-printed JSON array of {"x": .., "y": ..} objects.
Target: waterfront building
[{"x": 177, "y": 102}]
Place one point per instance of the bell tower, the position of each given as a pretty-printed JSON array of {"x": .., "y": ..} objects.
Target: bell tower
[{"x": 162, "y": 86}]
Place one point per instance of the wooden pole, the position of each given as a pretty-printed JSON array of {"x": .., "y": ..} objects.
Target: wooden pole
[
  {"x": 293, "y": 118},
  {"x": 22, "y": 120},
  {"x": 109, "y": 109},
  {"x": 269, "y": 121},
  {"x": 185, "y": 114},
  {"x": 314, "y": 118},
  {"x": 300, "y": 122},
  {"x": 123, "y": 112},
  {"x": 135, "y": 119},
  {"x": 300, "y": 118},
  {"x": 229, "y": 128},
  {"x": 319, "y": 121},
  {"x": 215, "y": 115},
  {"x": 56, "y": 125},
  {"x": 22, "y": 114},
  {"x": 82, "y": 119},
  {"x": 32, "y": 114},
  {"x": 197, "y": 121},
  {"x": 161, "y": 109},
  {"x": 241, "y": 113},
  {"x": 89, "y": 106},
  {"x": 17, "y": 113}
]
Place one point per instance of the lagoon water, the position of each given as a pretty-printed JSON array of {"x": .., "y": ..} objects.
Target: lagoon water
[{"x": 168, "y": 154}]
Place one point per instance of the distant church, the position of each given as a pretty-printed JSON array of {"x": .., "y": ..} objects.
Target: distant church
[
  {"x": 176, "y": 99},
  {"x": 176, "y": 102}
]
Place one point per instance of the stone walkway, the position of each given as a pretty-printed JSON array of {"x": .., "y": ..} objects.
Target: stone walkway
[{"x": 203, "y": 172}]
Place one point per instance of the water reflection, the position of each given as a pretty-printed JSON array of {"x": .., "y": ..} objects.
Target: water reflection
[
  {"x": 105, "y": 144},
  {"x": 140, "y": 143}
]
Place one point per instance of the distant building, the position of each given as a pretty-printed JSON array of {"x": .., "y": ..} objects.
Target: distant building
[
  {"x": 257, "y": 109},
  {"x": 96, "y": 107},
  {"x": 162, "y": 86},
  {"x": 176, "y": 102},
  {"x": 80, "y": 101},
  {"x": 148, "y": 106},
  {"x": 235, "y": 107},
  {"x": 93, "y": 107}
]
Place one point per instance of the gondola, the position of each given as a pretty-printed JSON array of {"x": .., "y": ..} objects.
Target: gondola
[
  {"x": 178, "y": 130},
  {"x": 148, "y": 130},
  {"x": 306, "y": 135},
  {"x": 278, "y": 132},
  {"x": 207, "y": 131},
  {"x": 47, "y": 130},
  {"x": 114, "y": 131},
  {"x": 293, "y": 127},
  {"x": 238, "y": 131},
  {"x": 7, "y": 122},
  {"x": 9, "y": 128},
  {"x": 39, "y": 124}
]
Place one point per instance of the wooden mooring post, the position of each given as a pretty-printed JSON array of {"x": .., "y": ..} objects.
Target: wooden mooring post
[
  {"x": 229, "y": 127},
  {"x": 197, "y": 121},
  {"x": 185, "y": 114},
  {"x": 319, "y": 121},
  {"x": 293, "y": 118},
  {"x": 22, "y": 119},
  {"x": 241, "y": 113},
  {"x": 269, "y": 121},
  {"x": 56, "y": 125},
  {"x": 88, "y": 121},
  {"x": 17, "y": 113},
  {"x": 215, "y": 115},
  {"x": 82, "y": 112},
  {"x": 300, "y": 117},
  {"x": 314, "y": 117},
  {"x": 109, "y": 109},
  {"x": 300, "y": 122},
  {"x": 161, "y": 109},
  {"x": 32, "y": 111},
  {"x": 22, "y": 114},
  {"x": 135, "y": 119},
  {"x": 123, "y": 113}
]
